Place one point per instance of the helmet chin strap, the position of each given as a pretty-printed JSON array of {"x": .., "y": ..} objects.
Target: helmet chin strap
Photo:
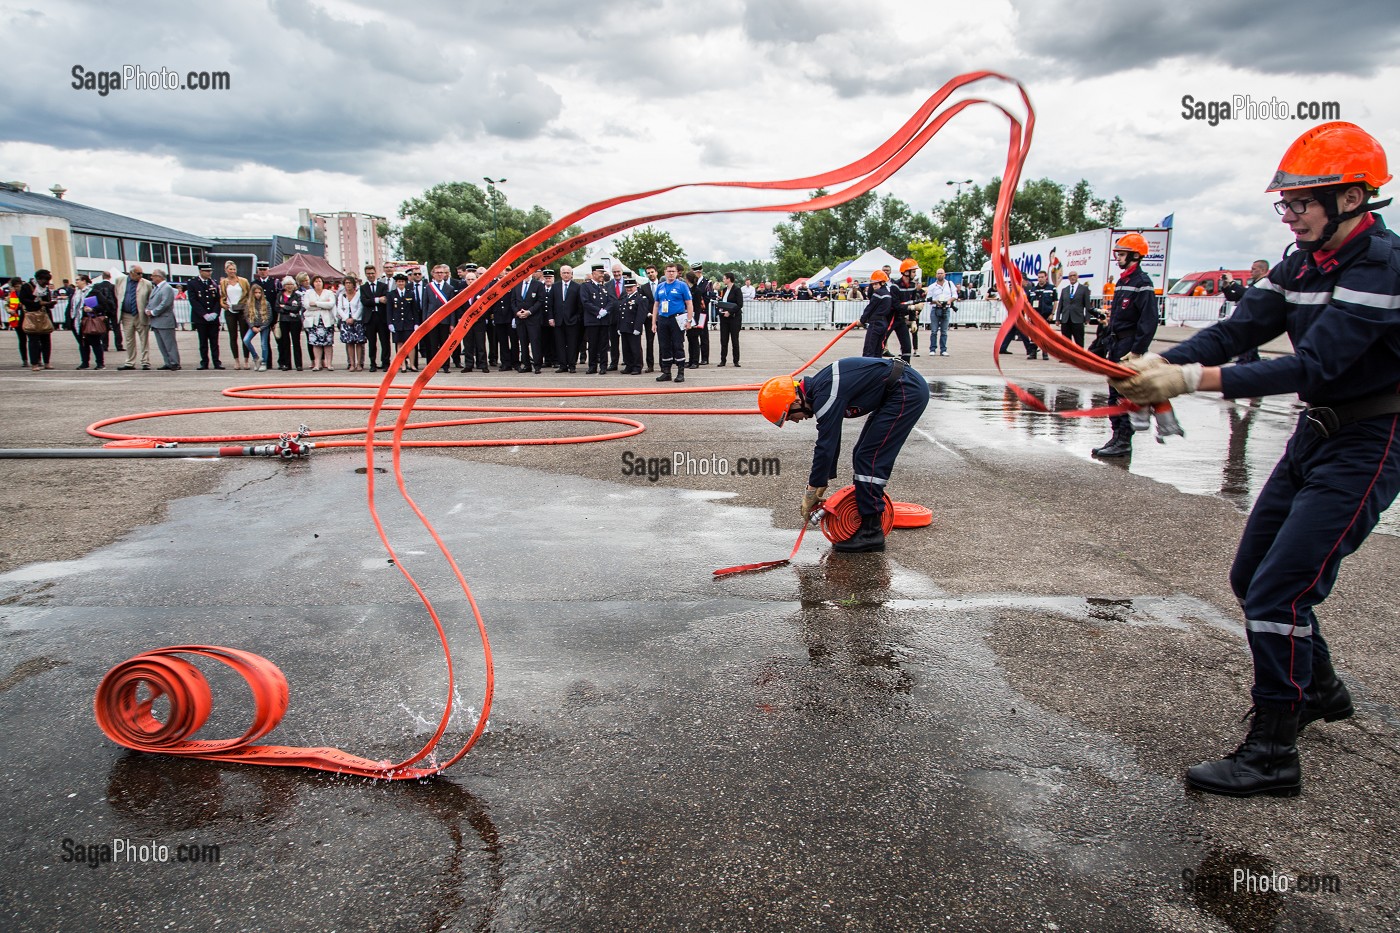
[{"x": 1335, "y": 217}]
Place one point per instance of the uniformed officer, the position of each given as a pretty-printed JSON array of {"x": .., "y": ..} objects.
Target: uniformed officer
[
  {"x": 1132, "y": 323},
  {"x": 633, "y": 315},
  {"x": 893, "y": 394},
  {"x": 1042, "y": 297},
  {"x": 596, "y": 306},
  {"x": 203, "y": 295},
  {"x": 1336, "y": 296},
  {"x": 878, "y": 315}
]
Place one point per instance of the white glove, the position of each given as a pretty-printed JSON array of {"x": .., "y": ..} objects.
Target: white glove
[
  {"x": 1140, "y": 362},
  {"x": 391, "y": 328}
]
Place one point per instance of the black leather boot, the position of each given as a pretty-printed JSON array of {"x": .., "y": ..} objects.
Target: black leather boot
[
  {"x": 1326, "y": 697},
  {"x": 869, "y": 537},
  {"x": 1120, "y": 445},
  {"x": 1266, "y": 763}
]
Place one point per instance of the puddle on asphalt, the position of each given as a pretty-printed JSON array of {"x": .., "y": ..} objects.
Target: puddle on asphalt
[{"x": 1229, "y": 450}]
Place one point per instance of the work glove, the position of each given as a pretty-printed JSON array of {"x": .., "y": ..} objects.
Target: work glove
[
  {"x": 1138, "y": 362},
  {"x": 811, "y": 499},
  {"x": 1159, "y": 381}
]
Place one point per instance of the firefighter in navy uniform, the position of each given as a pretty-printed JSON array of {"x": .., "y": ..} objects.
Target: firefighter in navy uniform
[
  {"x": 1338, "y": 298},
  {"x": 203, "y": 294},
  {"x": 892, "y": 394},
  {"x": 1042, "y": 297},
  {"x": 903, "y": 294},
  {"x": 878, "y": 314},
  {"x": 633, "y": 316},
  {"x": 1132, "y": 323}
]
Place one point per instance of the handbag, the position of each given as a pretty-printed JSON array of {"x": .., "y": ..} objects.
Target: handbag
[
  {"x": 93, "y": 325},
  {"x": 37, "y": 322}
]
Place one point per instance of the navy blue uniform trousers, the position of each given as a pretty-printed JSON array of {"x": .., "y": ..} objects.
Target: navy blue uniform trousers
[
  {"x": 886, "y": 429},
  {"x": 1320, "y": 503}
]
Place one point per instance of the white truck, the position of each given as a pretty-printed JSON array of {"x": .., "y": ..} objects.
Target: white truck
[{"x": 1091, "y": 255}]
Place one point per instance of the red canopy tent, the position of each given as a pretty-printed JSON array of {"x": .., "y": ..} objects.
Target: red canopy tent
[{"x": 311, "y": 265}]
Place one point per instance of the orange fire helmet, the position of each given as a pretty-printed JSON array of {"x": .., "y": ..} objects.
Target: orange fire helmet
[
  {"x": 1332, "y": 154},
  {"x": 879, "y": 276},
  {"x": 1132, "y": 241},
  {"x": 908, "y": 264},
  {"x": 775, "y": 397}
]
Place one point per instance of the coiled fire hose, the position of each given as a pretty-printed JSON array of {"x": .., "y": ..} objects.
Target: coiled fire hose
[{"x": 126, "y": 697}]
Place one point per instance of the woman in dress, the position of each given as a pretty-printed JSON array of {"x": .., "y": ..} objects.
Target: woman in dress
[
  {"x": 352, "y": 329},
  {"x": 318, "y": 317},
  {"x": 260, "y": 317},
  {"x": 233, "y": 298}
]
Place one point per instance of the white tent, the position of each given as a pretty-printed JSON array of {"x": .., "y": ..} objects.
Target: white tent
[
  {"x": 859, "y": 269},
  {"x": 818, "y": 276}
]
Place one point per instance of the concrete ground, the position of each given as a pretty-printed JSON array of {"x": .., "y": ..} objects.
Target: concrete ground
[{"x": 983, "y": 728}]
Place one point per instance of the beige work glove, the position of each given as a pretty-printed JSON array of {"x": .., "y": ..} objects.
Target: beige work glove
[
  {"x": 811, "y": 499},
  {"x": 1159, "y": 382}
]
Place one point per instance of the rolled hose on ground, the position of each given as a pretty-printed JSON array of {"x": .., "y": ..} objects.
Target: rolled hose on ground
[{"x": 126, "y": 715}]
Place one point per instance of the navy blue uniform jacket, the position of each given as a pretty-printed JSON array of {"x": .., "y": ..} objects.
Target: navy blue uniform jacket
[
  {"x": 848, "y": 388},
  {"x": 1342, "y": 312}
]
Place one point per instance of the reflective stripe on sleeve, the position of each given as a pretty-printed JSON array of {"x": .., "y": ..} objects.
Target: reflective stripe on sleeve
[
  {"x": 835, "y": 390},
  {"x": 1369, "y": 299}
]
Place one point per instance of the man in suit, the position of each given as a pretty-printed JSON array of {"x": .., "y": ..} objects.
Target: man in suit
[
  {"x": 698, "y": 337},
  {"x": 564, "y": 318},
  {"x": 546, "y": 332},
  {"x": 160, "y": 310},
  {"x": 729, "y": 306},
  {"x": 502, "y": 325},
  {"x": 106, "y": 295},
  {"x": 133, "y": 295},
  {"x": 616, "y": 340},
  {"x": 374, "y": 302},
  {"x": 596, "y": 305},
  {"x": 1074, "y": 309},
  {"x": 648, "y": 288},
  {"x": 527, "y": 308},
  {"x": 436, "y": 293}
]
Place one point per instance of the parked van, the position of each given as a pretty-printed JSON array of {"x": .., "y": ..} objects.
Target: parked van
[{"x": 1208, "y": 282}]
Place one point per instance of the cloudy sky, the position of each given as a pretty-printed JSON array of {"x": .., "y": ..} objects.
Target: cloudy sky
[{"x": 357, "y": 105}]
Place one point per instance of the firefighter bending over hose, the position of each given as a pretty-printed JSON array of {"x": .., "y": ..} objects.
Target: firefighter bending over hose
[
  {"x": 892, "y": 394},
  {"x": 1338, "y": 298}
]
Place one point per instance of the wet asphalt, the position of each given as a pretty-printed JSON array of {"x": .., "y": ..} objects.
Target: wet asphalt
[{"x": 983, "y": 728}]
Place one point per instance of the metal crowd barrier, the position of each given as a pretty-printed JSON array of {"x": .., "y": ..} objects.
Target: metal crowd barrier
[
  {"x": 182, "y": 313},
  {"x": 1188, "y": 309}
]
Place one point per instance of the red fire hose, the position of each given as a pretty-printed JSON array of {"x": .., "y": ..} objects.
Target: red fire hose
[{"x": 124, "y": 700}]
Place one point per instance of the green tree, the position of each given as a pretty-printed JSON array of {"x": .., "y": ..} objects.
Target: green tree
[
  {"x": 648, "y": 246},
  {"x": 794, "y": 264},
  {"x": 931, "y": 256},
  {"x": 1042, "y": 208},
  {"x": 757, "y": 270},
  {"x": 456, "y": 222},
  {"x": 808, "y": 241}
]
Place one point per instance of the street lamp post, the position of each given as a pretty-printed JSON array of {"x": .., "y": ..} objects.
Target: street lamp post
[
  {"x": 957, "y": 240},
  {"x": 491, "y": 184}
]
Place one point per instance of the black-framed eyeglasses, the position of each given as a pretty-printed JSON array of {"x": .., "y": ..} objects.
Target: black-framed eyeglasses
[{"x": 1298, "y": 206}]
